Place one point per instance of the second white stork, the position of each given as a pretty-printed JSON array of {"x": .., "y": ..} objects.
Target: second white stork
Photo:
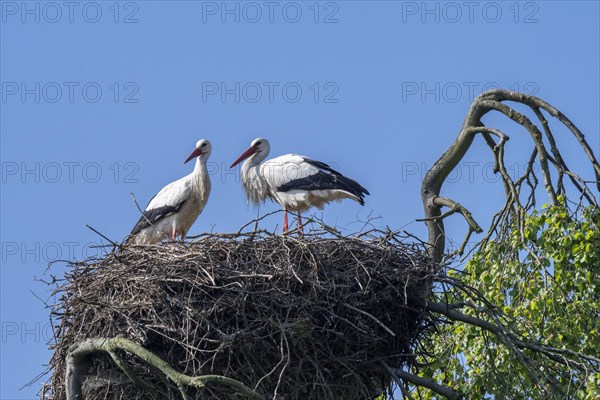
[
  {"x": 173, "y": 210},
  {"x": 294, "y": 181}
]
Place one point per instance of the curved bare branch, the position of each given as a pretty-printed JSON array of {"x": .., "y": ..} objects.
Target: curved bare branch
[
  {"x": 483, "y": 104},
  {"x": 78, "y": 353}
]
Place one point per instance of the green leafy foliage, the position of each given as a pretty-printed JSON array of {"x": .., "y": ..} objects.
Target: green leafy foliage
[{"x": 541, "y": 282}]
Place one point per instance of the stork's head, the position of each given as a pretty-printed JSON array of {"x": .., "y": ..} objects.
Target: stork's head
[
  {"x": 258, "y": 151},
  {"x": 202, "y": 150}
]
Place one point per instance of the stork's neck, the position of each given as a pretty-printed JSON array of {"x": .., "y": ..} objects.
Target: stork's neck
[
  {"x": 250, "y": 171},
  {"x": 254, "y": 183},
  {"x": 200, "y": 176},
  {"x": 200, "y": 166}
]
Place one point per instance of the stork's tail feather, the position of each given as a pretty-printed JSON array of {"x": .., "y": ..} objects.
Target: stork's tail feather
[
  {"x": 351, "y": 186},
  {"x": 335, "y": 180}
]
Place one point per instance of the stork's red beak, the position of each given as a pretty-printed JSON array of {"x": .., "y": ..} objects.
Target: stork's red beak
[
  {"x": 194, "y": 154},
  {"x": 244, "y": 155}
]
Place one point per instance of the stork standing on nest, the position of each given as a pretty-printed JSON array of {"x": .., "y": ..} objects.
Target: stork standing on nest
[
  {"x": 173, "y": 210},
  {"x": 295, "y": 182}
]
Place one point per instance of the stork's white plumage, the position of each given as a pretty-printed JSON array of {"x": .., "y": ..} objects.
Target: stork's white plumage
[
  {"x": 295, "y": 182},
  {"x": 174, "y": 209}
]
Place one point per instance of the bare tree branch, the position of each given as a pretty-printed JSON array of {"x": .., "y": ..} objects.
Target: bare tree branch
[
  {"x": 535, "y": 102},
  {"x": 483, "y": 104},
  {"x": 445, "y": 391},
  {"x": 76, "y": 368}
]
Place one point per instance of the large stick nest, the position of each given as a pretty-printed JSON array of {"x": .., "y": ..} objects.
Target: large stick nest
[{"x": 309, "y": 318}]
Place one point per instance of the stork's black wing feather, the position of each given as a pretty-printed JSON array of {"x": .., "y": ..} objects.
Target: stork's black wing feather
[
  {"x": 151, "y": 217},
  {"x": 326, "y": 178}
]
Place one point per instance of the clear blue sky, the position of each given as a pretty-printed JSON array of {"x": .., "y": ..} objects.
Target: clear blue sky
[{"x": 103, "y": 99}]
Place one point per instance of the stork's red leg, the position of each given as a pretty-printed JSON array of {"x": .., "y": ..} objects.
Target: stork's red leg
[
  {"x": 174, "y": 235},
  {"x": 285, "y": 221}
]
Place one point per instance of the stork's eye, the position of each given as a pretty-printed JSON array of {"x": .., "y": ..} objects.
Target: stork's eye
[
  {"x": 258, "y": 143},
  {"x": 203, "y": 145}
]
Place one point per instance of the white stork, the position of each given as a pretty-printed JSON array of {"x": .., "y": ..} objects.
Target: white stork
[
  {"x": 173, "y": 210},
  {"x": 295, "y": 182}
]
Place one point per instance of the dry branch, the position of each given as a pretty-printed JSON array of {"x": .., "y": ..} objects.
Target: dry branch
[
  {"x": 76, "y": 365},
  {"x": 493, "y": 100}
]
